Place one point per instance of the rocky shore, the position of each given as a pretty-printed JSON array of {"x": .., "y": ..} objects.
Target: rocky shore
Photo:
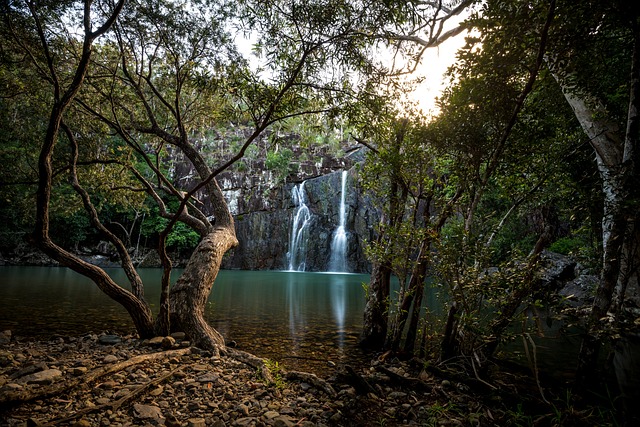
[
  {"x": 182, "y": 386},
  {"x": 109, "y": 380}
]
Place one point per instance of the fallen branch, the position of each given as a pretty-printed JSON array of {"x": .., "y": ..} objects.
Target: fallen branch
[
  {"x": 361, "y": 385},
  {"x": 413, "y": 383},
  {"x": 22, "y": 396},
  {"x": 312, "y": 379},
  {"x": 114, "y": 405}
]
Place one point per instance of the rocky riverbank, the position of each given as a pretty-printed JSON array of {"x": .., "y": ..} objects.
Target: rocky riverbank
[{"x": 108, "y": 380}]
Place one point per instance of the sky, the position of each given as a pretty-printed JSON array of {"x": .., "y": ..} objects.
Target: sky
[
  {"x": 432, "y": 67},
  {"x": 434, "y": 64}
]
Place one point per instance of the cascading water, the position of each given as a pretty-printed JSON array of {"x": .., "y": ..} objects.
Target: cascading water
[
  {"x": 299, "y": 230},
  {"x": 338, "y": 260}
]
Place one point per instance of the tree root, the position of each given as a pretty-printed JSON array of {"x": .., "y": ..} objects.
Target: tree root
[
  {"x": 312, "y": 379},
  {"x": 359, "y": 383},
  {"x": 23, "y": 396},
  {"x": 261, "y": 365},
  {"x": 251, "y": 360}
]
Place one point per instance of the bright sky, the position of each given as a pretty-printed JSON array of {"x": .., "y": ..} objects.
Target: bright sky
[{"x": 434, "y": 64}]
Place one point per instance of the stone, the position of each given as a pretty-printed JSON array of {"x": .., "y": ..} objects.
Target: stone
[
  {"x": 43, "y": 377},
  {"x": 396, "y": 395},
  {"x": 30, "y": 369},
  {"x": 156, "y": 391},
  {"x": 172, "y": 421},
  {"x": 78, "y": 371},
  {"x": 147, "y": 412},
  {"x": 109, "y": 339},
  {"x": 209, "y": 378},
  {"x": 5, "y": 337},
  {"x": 271, "y": 414},
  {"x": 6, "y": 358},
  {"x": 154, "y": 342},
  {"x": 245, "y": 422},
  {"x": 168, "y": 343},
  {"x": 243, "y": 409},
  {"x": 82, "y": 423},
  {"x": 283, "y": 421},
  {"x": 196, "y": 422},
  {"x": 178, "y": 336},
  {"x": 12, "y": 387},
  {"x": 110, "y": 358}
]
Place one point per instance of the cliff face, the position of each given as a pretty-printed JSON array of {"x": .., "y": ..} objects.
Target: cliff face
[
  {"x": 264, "y": 206},
  {"x": 264, "y": 225}
]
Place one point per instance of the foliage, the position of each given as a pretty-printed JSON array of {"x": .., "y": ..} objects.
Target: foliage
[{"x": 279, "y": 162}]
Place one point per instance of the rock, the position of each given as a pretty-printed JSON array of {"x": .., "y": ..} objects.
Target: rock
[
  {"x": 30, "y": 369},
  {"x": 154, "y": 342},
  {"x": 110, "y": 358},
  {"x": 156, "y": 391},
  {"x": 178, "y": 336},
  {"x": 196, "y": 422},
  {"x": 147, "y": 412},
  {"x": 82, "y": 423},
  {"x": 555, "y": 270},
  {"x": 43, "y": 377},
  {"x": 271, "y": 414},
  {"x": 209, "y": 378},
  {"x": 12, "y": 387},
  {"x": 397, "y": 395},
  {"x": 168, "y": 343},
  {"x": 109, "y": 339},
  {"x": 5, "y": 337},
  {"x": 6, "y": 358},
  {"x": 580, "y": 291},
  {"x": 283, "y": 421},
  {"x": 243, "y": 409},
  {"x": 245, "y": 422},
  {"x": 172, "y": 421},
  {"x": 80, "y": 370}
]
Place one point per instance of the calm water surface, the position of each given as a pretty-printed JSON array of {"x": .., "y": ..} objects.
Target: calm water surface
[{"x": 301, "y": 319}]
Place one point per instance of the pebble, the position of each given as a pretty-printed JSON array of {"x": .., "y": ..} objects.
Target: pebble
[{"x": 204, "y": 392}]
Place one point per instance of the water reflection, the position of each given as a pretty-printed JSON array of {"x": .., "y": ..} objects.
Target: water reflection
[
  {"x": 295, "y": 296},
  {"x": 339, "y": 304},
  {"x": 279, "y": 315}
]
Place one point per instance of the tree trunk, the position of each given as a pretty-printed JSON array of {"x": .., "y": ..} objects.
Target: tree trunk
[
  {"x": 189, "y": 295},
  {"x": 412, "y": 332},
  {"x": 413, "y": 296},
  {"x": 617, "y": 163},
  {"x": 374, "y": 329}
]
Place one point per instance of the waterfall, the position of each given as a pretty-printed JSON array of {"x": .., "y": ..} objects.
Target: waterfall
[
  {"x": 297, "y": 254},
  {"x": 338, "y": 261}
]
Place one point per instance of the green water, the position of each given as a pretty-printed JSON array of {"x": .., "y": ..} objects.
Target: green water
[{"x": 301, "y": 319}]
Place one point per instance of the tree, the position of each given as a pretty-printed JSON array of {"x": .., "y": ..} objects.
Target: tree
[
  {"x": 164, "y": 76},
  {"x": 610, "y": 119}
]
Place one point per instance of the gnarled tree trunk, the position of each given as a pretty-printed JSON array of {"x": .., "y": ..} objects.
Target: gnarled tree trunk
[{"x": 189, "y": 295}]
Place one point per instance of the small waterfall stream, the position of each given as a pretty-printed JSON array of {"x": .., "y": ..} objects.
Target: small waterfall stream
[
  {"x": 338, "y": 260},
  {"x": 299, "y": 230}
]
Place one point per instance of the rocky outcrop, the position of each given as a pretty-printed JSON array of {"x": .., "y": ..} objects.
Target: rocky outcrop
[{"x": 265, "y": 235}]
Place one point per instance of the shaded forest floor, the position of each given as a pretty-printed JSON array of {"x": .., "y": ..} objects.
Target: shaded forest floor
[{"x": 121, "y": 381}]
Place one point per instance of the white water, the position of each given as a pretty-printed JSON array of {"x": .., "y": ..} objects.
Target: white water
[
  {"x": 338, "y": 260},
  {"x": 299, "y": 230}
]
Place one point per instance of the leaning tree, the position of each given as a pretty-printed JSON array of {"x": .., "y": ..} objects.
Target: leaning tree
[{"x": 152, "y": 78}]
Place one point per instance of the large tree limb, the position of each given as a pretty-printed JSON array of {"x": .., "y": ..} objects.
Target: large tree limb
[{"x": 16, "y": 397}]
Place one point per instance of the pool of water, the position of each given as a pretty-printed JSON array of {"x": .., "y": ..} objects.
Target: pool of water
[{"x": 303, "y": 320}]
